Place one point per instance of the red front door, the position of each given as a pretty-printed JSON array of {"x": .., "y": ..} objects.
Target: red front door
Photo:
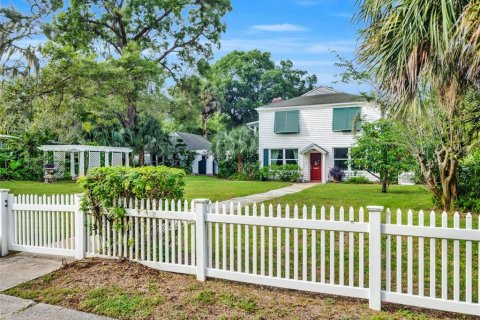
[{"x": 316, "y": 166}]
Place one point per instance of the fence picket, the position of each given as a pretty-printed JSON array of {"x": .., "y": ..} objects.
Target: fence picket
[
  {"x": 410, "y": 256},
  {"x": 468, "y": 263},
  {"x": 314, "y": 247},
  {"x": 287, "y": 244},
  {"x": 304, "y": 246},
  {"x": 399, "y": 254},
  {"x": 351, "y": 250},
  {"x": 341, "y": 254},
  {"x": 444, "y": 259},
  {"x": 322, "y": 247},
  {"x": 421, "y": 257},
  {"x": 332, "y": 249},
  {"x": 295, "y": 246},
  {"x": 456, "y": 260},
  {"x": 432, "y": 258},
  {"x": 279, "y": 244}
]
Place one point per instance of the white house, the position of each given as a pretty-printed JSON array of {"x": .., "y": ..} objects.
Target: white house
[
  {"x": 204, "y": 162},
  {"x": 313, "y": 131}
]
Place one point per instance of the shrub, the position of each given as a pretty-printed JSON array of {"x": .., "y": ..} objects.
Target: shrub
[
  {"x": 288, "y": 173},
  {"x": 468, "y": 179},
  {"x": 358, "y": 180},
  {"x": 337, "y": 174},
  {"x": 103, "y": 186}
]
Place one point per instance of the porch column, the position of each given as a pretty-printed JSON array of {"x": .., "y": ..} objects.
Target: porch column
[
  {"x": 81, "y": 164},
  {"x": 127, "y": 159},
  {"x": 72, "y": 165},
  {"x": 324, "y": 169},
  {"x": 107, "y": 161}
]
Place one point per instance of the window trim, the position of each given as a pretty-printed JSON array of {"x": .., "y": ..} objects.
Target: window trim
[
  {"x": 283, "y": 158},
  {"x": 349, "y": 157}
]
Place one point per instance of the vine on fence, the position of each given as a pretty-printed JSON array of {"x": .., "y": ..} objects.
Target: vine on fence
[{"x": 104, "y": 187}]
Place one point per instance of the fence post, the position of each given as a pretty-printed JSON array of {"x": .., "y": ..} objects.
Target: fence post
[
  {"x": 201, "y": 237},
  {"x": 79, "y": 228},
  {"x": 4, "y": 217},
  {"x": 375, "y": 257}
]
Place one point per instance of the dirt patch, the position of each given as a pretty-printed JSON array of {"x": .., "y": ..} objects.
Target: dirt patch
[{"x": 128, "y": 290}]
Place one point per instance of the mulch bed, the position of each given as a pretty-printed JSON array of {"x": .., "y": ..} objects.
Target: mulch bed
[{"x": 167, "y": 295}]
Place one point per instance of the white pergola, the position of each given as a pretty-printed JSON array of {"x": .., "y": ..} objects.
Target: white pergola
[{"x": 112, "y": 156}]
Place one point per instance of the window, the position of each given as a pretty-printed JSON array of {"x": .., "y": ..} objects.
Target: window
[
  {"x": 343, "y": 119},
  {"x": 283, "y": 156},
  {"x": 340, "y": 158},
  {"x": 287, "y": 122}
]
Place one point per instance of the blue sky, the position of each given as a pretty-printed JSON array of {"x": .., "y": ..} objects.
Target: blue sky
[{"x": 304, "y": 31}]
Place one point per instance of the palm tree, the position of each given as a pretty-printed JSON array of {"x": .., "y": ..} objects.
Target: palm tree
[
  {"x": 412, "y": 48},
  {"x": 210, "y": 102},
  {"x": 239, "y": 144}
]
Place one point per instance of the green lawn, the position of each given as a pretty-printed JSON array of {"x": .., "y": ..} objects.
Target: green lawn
[
  {"x": 356, "y": 195},
  {"x": 196, "y": 187}
]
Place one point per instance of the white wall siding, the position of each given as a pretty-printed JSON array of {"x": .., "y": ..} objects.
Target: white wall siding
[{"x": 315, "y": 127}]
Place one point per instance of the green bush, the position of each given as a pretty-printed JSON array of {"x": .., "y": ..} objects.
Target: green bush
[
  {"x": 288, "y": 173},
  {"x": 468, "y": 184},
  {"x": 358, "y": 180},
  {"x": 103, "y": 186}
]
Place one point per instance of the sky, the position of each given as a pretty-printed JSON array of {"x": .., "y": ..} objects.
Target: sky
[{"x": 303, "y": 31}]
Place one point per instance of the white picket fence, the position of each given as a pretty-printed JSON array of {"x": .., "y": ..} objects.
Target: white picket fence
[{"x": 421, "y": 261}]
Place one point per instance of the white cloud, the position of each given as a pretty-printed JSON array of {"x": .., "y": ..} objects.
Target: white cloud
[{"x": 284, "y": 27}]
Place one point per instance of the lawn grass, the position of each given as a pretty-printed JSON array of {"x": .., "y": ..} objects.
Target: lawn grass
[
  {"x": 128, "y": 290},
  {"x": 360, "y": 195},
  {"x": 196, "y": 187}
]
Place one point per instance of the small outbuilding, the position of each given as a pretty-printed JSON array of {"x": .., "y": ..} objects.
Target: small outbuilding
[{"x": 204, "y": 162}]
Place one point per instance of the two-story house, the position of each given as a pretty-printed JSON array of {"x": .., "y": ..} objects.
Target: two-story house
[{"x": 313, "y": 131}]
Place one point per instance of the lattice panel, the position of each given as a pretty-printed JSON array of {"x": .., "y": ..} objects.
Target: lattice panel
[
  {"x": 59, "y": 161},
  {"x": 117, "y": 159},
  {"x": 93, "y": 159}
]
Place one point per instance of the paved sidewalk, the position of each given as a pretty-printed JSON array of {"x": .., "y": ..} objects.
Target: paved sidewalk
[
  {"x": 272, "y": 194},
  {"x": 20, "y": 267},
  {"x": 18, "y": 308}
]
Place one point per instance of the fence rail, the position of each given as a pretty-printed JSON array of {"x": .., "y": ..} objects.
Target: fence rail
[{"x": 423, "y": 260}]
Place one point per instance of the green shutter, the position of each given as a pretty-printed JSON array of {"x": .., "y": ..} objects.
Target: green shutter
[
  {"x": 287, "y": 122},
  {"x": 343, "y": 118},
  {"x": 265, "y": 157}
]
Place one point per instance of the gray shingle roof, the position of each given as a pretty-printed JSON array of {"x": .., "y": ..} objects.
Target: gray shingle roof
[
  {"x": 339, "y": 97},
  {"x": 193, "y": 141}
]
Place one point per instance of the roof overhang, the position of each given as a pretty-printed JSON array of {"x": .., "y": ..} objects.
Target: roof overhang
[
  {"x": 82, "y": 148},
  {"x": 313, "y": 147}
]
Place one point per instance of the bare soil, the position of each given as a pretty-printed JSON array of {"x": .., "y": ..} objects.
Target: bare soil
[{"x": 129, "y": 290}]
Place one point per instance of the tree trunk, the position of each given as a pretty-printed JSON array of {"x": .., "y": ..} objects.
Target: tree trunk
[
  {"x": 240, "y": 163},
  {"x": 384, "y": 186},
  {"x": 204, "y": 125},
  {"x": 447, "y": 168},
  {"x": 141, "y": 158}
]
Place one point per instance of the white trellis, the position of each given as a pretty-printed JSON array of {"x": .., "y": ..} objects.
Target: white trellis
[
  {"x": 59, "y": 161},
  {"x": 119, "y": 157}
]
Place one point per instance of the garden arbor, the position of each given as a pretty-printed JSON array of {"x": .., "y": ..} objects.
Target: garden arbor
[{"x": 84, "y": 157}]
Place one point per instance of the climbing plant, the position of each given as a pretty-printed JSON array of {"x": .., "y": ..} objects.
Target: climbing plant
[{"x": 106, "y": 188}]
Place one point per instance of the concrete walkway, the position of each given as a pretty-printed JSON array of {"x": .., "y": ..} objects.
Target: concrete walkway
[
  {"x": 17, "y": 308},
  {"x": 20, "y": 267},
  {"x": 269, "y": 195}
]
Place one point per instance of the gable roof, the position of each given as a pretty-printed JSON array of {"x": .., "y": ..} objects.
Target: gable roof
[
  {"x": 320, "y": 95},
  {"x": 192, "y": 141}
]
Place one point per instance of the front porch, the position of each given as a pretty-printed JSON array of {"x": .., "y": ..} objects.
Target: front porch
[{"x": 314, "y": 163}]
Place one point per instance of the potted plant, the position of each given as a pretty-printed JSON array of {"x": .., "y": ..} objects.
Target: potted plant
[{"x": 337, "y": 174}]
